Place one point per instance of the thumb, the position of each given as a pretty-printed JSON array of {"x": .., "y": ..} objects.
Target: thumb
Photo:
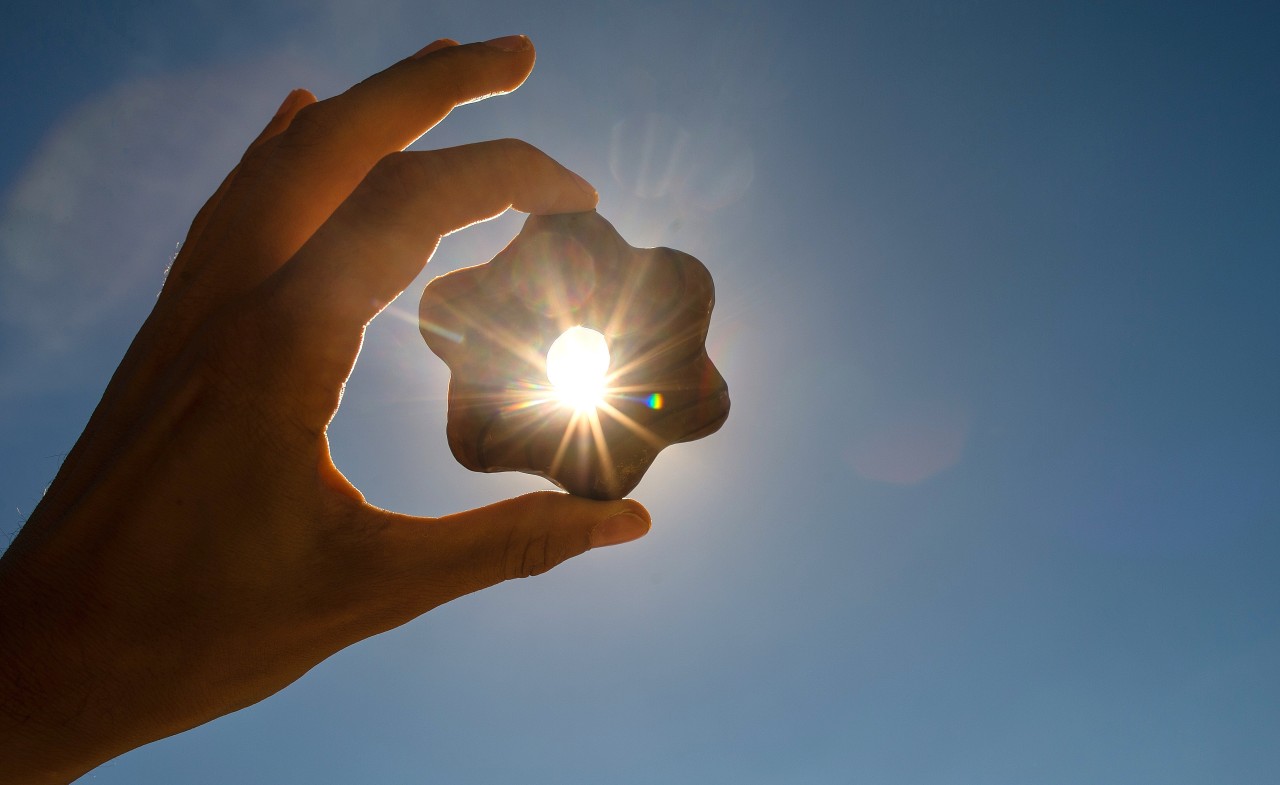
[{"x": 441, "y": 559}]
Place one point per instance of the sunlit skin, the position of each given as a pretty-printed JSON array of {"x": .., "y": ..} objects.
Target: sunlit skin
[{"x": 198, "y": 550}]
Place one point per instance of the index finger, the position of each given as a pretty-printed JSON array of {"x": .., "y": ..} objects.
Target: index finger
[{"x": 312, "y": 313}]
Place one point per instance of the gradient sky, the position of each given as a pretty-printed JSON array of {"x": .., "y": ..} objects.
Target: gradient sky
[{"x": 998, "y": 305}]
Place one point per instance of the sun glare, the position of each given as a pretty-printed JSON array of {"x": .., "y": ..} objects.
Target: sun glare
[{"x": 577, "y": 365}]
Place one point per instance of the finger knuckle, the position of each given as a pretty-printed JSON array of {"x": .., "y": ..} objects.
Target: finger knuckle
[
  {"x": 398, "y": 176},
  {"x": 255, "y": 163},
  {"x": 312, "y": 126},
  {"x": 517, "y": 149},
  {"x": 526, "y": 168},
  {"x": 533, "y": 557}
]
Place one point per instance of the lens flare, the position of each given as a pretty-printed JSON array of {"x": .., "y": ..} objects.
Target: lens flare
[{"x": 577, "y": 367}]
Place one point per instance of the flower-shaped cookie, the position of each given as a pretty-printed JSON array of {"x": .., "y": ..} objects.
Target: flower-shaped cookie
[{"x": 494, "y": 324}]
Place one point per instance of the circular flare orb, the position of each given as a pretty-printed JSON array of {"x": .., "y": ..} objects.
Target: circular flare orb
[{"x": 499, "y": 325}]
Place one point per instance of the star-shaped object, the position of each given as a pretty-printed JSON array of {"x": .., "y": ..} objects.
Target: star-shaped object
[{"x": 493, "y": 324}]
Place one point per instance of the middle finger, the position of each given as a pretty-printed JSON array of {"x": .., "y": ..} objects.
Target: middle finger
[{"x": 293, "y": 183}]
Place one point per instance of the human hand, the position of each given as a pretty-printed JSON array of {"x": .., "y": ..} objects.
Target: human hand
[{"x": 198, "y": 550}]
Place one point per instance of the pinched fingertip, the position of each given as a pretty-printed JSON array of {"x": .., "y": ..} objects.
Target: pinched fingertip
[
  {"x": 619, "y": 528},
  {"x": 510, "y": 43}
]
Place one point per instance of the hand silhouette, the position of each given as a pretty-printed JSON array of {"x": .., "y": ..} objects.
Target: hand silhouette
[{"x": 198, "y": 550}]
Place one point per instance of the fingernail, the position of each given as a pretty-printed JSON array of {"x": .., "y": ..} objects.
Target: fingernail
[
  {"x": 621, "y": 528},
  {"x": 434, "y": 46},
  {"x": 586, "y": 187},
  {"x": 289, "y": 101},
  {"x": 510, "y": 43}
]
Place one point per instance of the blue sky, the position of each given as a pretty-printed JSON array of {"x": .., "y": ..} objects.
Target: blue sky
[{"x": 998, "y": 305}]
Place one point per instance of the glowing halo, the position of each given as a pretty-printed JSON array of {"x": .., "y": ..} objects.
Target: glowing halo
[{"x": 578, "y": 367}]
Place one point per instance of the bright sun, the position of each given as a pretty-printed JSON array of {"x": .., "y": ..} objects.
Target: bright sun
[{"x": 577, "y": 364}]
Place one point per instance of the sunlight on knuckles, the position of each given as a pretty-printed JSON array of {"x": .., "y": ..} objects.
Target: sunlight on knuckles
[
  {"x": 421, "y": 196},
  {"x": 363, "y": 255},
  {"x": 315, "y": 127},
  {"x": 396, "y": 180},
  {"x": 529, "y": 175},
  {"x": 391, "y": 213},
  {"x": 484, "y": 179}
]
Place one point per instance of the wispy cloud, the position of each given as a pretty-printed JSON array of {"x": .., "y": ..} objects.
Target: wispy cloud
[{"x": 88, "y": 228}]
